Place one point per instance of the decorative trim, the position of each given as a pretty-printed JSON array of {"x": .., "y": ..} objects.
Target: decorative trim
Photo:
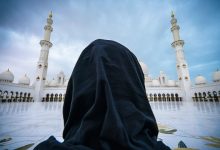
[
  {"x": 176, "y": 27},
  {"x": 177, "y": 43},
  {"x": 47, "y": 43}
]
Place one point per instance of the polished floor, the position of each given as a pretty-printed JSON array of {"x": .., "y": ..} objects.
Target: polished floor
[{"x": 197, "y": 124}]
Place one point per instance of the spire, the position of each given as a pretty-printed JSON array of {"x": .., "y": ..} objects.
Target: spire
[
  {"x": 175, "y": 29},
  {"x": 42, "y": 64},
  {"x": 172, "y": 14},
  {"x": 48, "y": 27},
  {"x": 50, "y": 14},
  {"x": 181, "y": 64}
]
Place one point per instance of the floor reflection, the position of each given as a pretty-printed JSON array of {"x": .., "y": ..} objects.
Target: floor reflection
[
  {"x": 167, "y": 106},
  {"x": 207, "y": 107},
  {"x": 25, "y": 107}
]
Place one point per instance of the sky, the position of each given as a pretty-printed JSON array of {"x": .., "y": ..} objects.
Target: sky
[{"x": 143, "y": 26}]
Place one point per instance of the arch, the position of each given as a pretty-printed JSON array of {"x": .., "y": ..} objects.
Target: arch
[
  {"x": 20, "y": 96},
  {"x": 200, "y": 96},
  {"x": 172, "y": 97},
  {"x": 16, "y": 96},
  {"x": 164, "y": 97},
  {"x": 24, "y": 97},
  {"x": 12, "y": 96},
  {"x": 60, "y": 97},
  {"x": 1, "y": 95},
  {"x": 151, "y": 97},
  {"x": 196, "y": 96},
  {"x": 215, "y": 95},
  {"x": 56, "y": 97},
  {"x": 168, "y": 97},
  {"x": 155, "y": 97},
  {"x": 209, "y": 96},
  {"x": 159, "y": 97},
  {"x": 176, "y": 97},
  {"x": 204, "y": 96},
  {"x": 51, "y": 97},
  {"x": 29, "y": 97},
  {"x": 47, "y": 97},
  {"x": 5, "y": 96}
]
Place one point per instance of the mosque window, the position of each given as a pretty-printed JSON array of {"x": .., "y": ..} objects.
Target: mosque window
[
  {"x": 45, "y": 66},
  {"x": 184, "y": 65},
  {"x": 44, "y": 78},
  {"x": 178, "y": 66},
  {"x": 186, "y": 78},
  {"x": 38, "y": 78},
  {"x": 180, "y": 78},
  {"x": 39, "y": 65}
]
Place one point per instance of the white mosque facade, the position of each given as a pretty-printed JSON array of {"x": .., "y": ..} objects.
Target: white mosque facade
[{"x": 158, "y": 89}]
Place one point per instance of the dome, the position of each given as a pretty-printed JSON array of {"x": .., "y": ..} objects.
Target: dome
[
  {"x": 144, "y": 68},
  {"x": 200, "y": 80},
  {"x": 7, "y": 76},
  {"x": 66, "y": 82},
  {"x": 171, "y": 83},
  {"x": 216, "y": 76},
  {"x": 25, "y": 80},
  {"x": 53, "y": 83},
  {"x": 155, "y": 83}
]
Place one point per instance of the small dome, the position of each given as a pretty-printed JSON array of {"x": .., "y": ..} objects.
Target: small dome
[
  {"x": 216, "y": 76},
  {"x": 155, "y": 83},
  {"x": 25, "y": 80},
  {"x": 171, "y": 83},
  {"x": 144, "y": 68},
  {"x": 200, "y": 80},
  {"x": 66, "y": 82},
  {"x": 53, "y": 83},
  {"x": 7, "y": 76}
]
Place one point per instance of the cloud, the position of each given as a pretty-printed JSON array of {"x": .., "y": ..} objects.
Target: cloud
[{"x": 143, "y": 26}]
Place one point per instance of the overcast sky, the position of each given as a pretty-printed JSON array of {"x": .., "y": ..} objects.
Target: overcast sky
[{"x": 141, "y": 25}]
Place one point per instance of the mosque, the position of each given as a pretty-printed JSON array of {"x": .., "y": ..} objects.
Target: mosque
[{"x": 157, "y": 89}]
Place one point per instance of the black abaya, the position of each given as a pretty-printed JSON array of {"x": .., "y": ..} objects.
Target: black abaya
[{"x": 105, "y": 106}]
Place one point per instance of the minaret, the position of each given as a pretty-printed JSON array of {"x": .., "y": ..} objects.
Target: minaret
[
  {"x": 42, "y": 64},
  {"x": 181, "y": 64}
]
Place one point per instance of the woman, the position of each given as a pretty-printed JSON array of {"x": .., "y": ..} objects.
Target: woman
[{"x": 105, "y": 107}]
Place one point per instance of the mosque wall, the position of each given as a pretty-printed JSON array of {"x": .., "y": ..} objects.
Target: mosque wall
[
  {"x": 54, "y": 94},
  {"x": 206, "y": 92},
  {"x": 16, "y": 92},
  {"x": 164, "y": 94}
]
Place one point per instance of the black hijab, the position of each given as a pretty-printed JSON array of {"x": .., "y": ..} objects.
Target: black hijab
[{"x": 105, "y": 106}]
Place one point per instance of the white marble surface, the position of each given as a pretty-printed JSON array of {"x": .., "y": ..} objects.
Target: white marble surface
[{"x": 27, "y": 123}]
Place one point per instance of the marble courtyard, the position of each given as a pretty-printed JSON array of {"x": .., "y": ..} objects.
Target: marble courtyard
[{"x": 24, "y": 124}]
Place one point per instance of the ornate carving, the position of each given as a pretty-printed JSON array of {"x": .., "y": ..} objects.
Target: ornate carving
[
  {"x": 49, "y": 21},
  {"x": 47, "y": 43},
  {"x": 176, "y": 27},
  {"x": 48, "y": 27}
]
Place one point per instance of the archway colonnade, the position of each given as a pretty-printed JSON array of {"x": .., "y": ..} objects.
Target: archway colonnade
[{"x": 15, "y": 96}]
